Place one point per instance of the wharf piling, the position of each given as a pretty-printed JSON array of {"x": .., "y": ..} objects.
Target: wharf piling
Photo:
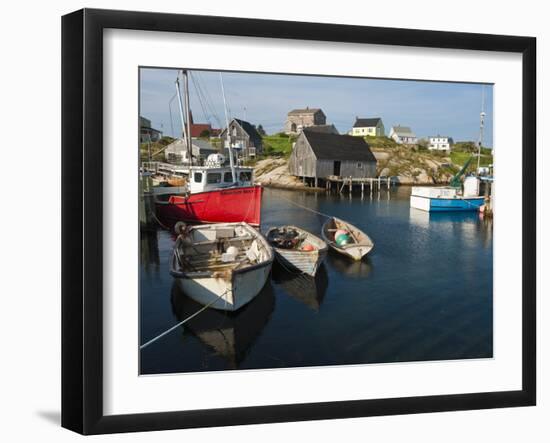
[{"x": 341, "y": 184}]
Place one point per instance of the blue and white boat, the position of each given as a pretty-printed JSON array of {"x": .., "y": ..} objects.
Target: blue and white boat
[
  {"x": 444, "y": 199},
  {"x": 448, "y": 198}
]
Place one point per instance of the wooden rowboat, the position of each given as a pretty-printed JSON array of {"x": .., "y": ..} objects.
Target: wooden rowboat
[
  {"x": 223, "y": 266},
  {"x": 297, "y": 248},
  {"x": 360, "y": 243}
]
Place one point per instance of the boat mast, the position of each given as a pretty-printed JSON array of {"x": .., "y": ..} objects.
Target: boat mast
[
  {"x": 188, "y": 118},
  {"x": 183, "y": 130},
  {"x": 481, "y": 124},
  {"x": 233, "y": 175}
]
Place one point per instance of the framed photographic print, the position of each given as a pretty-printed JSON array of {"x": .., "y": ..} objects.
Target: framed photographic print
[{"x": 270, "y": 221}]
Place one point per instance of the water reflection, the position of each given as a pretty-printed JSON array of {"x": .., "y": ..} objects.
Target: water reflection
[
  {"x": 306, "y": 289},
  {"x": 350, "y": 268},
  {"x": 229, "y": 334},
  {"x": 430, "y": 297},
  {"x": 466, "y": 225},
  {"x": 149, "y": 251}
]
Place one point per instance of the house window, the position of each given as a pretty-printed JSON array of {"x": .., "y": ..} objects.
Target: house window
[
  {"x": 360, "y": 165},
  {"x": 234, "y": 131},
  {"x": 198, "y": 177},
  {"x": 214, "y": 177}
]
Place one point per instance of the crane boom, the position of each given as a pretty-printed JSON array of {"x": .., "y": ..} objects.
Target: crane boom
[{"x": 455, "y": 181}]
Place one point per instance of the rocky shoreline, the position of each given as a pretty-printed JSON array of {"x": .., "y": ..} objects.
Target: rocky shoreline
[{"x": 273, "y": 173}]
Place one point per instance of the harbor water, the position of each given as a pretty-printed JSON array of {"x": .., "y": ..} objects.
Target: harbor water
[{"x": 425, "y": 292}]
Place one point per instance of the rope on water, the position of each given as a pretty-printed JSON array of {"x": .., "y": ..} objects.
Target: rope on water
[
  {"x": 162, "y": 225},
  {"x": 305, "y": 207},
  {"x": 143, "y": 346}
]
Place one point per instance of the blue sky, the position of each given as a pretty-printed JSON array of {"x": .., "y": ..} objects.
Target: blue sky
[{"x": 429, "y": 108}]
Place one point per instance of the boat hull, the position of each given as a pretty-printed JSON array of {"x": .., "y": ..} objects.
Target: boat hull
[
  {"x": 228, "y": 205},
  {"x": 236, "y": 290},
  {"x": 454, "y": 204},
  {"x": 306, "y": 262},
  {"x": 354, "y": 251}
]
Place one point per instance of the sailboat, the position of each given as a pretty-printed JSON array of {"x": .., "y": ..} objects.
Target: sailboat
[{"x": 216, "y": 192}]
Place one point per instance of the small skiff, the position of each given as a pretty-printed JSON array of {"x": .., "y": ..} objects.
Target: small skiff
[
  {"x": 222, "y": 265},
  {"x": 357, "y": 244},
  {"x": 297, "y": 248}
]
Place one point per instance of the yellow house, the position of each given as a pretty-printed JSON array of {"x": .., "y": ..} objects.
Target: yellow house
[{"x": 368, "y": 126}]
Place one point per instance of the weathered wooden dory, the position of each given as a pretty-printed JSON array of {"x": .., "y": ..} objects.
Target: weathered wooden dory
[
  {"x": 359, "y": 244},
  {"x": 222, "y": 265},
  {"x": 297, "y": 248}
]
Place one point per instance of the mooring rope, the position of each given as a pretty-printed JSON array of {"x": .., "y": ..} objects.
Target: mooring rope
[
  {"x": 162, "y": 225},
  {"x": 305, "y": 207},
  {"x": 143, "y": 346}
]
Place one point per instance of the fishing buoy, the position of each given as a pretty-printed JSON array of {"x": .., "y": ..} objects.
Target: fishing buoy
[
  {"x": 308, "y": 248},
  {"x": 339, "y": 232},
  {"x": 343, "y": 239},
  {"x": 230, "y": 255},
  {"x": 232, "y": 250}
]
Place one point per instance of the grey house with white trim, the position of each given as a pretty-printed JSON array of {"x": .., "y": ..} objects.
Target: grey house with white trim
[{"x": 403, "y": 135}]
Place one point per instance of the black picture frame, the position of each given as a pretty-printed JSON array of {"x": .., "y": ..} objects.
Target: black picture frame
[{"x": 82, "y": 218}]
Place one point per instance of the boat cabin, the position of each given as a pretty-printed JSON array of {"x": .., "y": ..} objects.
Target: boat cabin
[{"x": 208, "y": 178}]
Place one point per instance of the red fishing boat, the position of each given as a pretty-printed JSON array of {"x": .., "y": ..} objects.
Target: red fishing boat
[
  {"x": 218, "y": 191},
  {"x": 213, "y": 197}
]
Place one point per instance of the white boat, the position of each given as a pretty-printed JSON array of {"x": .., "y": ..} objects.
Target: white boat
[
  {"x": 297, "y": 248},
  {"x": 359, "y": 243},
  {"x": 223, "y": 266}
]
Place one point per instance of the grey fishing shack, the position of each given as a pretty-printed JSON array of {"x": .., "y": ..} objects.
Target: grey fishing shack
[{"x": 318, "y": 155}]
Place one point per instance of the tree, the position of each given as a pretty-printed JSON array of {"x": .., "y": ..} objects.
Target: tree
[
  {"x": 205, "y": 134},
  {"x": 260, "y": 130}
]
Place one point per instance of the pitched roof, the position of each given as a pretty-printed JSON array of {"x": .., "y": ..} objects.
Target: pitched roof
[
  {"x": 198, "y": 128},
  {"x": 338, "y": 147},
  {"x": 305, "y": 111},
  {"x": 197, "y": 145},
  {"x": 403, "y": 131},
  {"x": 248, "y": 128},
  {"x": 366, "y": 122},
  {"x": 203, "y": 144},
  {"x": 327, "y": 129}
]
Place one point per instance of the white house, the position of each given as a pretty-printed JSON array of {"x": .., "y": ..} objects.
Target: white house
[
  {"x": 368, "y": 126},
  {"x": 403, "y": 135},
  {"x": 176, "y": 152},
  {"x": 439, "y": 143}
]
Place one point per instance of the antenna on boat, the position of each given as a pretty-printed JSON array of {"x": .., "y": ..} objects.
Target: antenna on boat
[
  {"x": 481, "y": 124},
  {"x": 183, "y": 126},
  {"x": 227, "y": 133}
]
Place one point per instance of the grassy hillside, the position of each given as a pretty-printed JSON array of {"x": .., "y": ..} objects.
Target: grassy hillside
[
  {"x": 418, "y": 161},
  {"x": 278, "y": 145},
  {"x": 381, "y": 143}
]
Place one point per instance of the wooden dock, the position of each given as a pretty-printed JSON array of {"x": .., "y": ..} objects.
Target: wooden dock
[
  {"x": 373, "y": 184},
  {"x": 166, "y": 169}
]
